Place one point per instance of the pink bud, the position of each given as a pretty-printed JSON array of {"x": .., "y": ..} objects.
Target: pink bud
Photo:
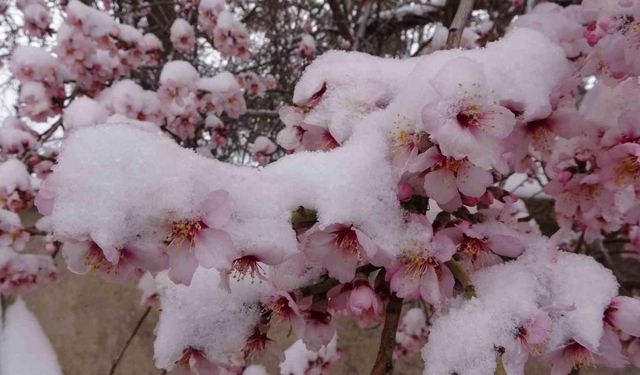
[
  {"x": 363, "y": 300},
  {"x": 624, "y": 314},
  {"x": 404, "y": 192},
  {"x": 50, "y": 248},
  {"x": 33, "y": 160}
]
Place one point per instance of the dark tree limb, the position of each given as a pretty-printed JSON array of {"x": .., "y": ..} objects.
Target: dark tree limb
[
  {"x": 463, "y": 278},
  {"x": 340, "y": 20},
  {"x": 459, "y": 21},
  {"x": 384, "y": 360}
]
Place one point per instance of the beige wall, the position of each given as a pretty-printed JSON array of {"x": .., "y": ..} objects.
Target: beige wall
[{"x": 89, "y": 320}]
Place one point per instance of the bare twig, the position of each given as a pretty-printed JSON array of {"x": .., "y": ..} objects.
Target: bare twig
[
  {"x": 384, "y": 360},
  {"x": 126, "y": 345},
  {"x": 324, "y": 286},
  {"x": 261, "y": 113},
  {"x": 461, "y": 275},
  {"x": 459, "y": 21},
  {"x": 363, "y": 25},
  {"x": 340, "y": 20}
]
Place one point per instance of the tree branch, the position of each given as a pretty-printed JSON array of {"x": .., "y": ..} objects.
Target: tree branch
[
  {"x": 384, "y": 360},
  {"x": 461, "y": 275},
  {"x": 459, "y": 21},
  {"x": 362, "y": 28},
  {"x": 126, "y": 345},
  {"x": 340, "y": 20},
  {"x": 325, "y": 285}
]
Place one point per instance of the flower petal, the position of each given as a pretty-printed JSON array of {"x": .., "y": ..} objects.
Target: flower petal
[
  {"x": 440, "y": 185},
  {"x": 217, "y": 208},
  {"x": 473, "y": 181}
]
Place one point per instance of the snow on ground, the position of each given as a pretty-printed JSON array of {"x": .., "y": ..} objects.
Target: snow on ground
[{"x": 24, "y": 347}]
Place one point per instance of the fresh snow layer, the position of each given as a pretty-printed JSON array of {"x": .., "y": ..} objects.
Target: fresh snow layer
[
  {"x": 24, "y": 347},
  {"x": 573, "y": 288},
  {"x": 114, "y": 182},
  {"x": 205, "y": 318}
]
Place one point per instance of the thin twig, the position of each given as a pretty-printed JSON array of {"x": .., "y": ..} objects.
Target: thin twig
[
  {"x": 363, "y": 26},
  {"x": 340, "y": 20},
  {"x": 461, "y": 275},
  {"x": 459, "y": 21},
  {"x": 126, "y": 345},
  {"x": 384, "y": 360}
]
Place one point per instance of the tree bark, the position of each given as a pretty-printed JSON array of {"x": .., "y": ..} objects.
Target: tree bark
[
  {"x": 384, "y": 360},
  {"x": 459, "y": 21}
]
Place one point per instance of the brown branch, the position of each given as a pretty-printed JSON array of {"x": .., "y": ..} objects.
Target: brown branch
[
  {"x": 459, "y": 21},
  {"x": 340, "y": 20},
  {"x": 384, "y": 360},
  {"x": 500, "y": 370},
  {"x": 126, "y": 345},
  {"x": 461, "y": 275},
  {"x": 362, "y": 28},
  {"x": 325, "y": 285}
]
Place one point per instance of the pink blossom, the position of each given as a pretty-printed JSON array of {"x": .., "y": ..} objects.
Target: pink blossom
[
  {"x": 419, "y": 270},
  {"x": 447, "y": 178},
  {"x": 20, "y": 273},
  {"x": 412, "y": 333},
  {"x": 200, "y": 240},
  {"x": 194, "y": 361},
  {"x": 464, "y": 122},
  {"x": 318, "y": 330},
  {"x": 624, "y": 314},
  {"x": 183, "y": 36},
  {"x": 530, "y": 337},
  {"x": 362, "y": 302},
  {"x": 81, "y": 257},
  {"x": 482, "y": 244},
  {"x": 339, "y": 248}
]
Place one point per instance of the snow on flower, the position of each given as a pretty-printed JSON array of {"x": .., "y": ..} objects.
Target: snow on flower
[{"x": 464, "y": 122}]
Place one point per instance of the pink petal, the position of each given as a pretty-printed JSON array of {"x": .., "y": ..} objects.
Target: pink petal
[
  {"x": 508, "y": 246},
  {"x": 318, "y": 244},
  {"x": 430, "y": 287},
  {"x": 44, "y": 198},
  {"x": 183, "y": 265},
  {"x": 369, "y": 247},
  {"x": 443, "y": 247},
  {"x": 446, "y": 280},
  {"x": 214, "y": 248},
  {"x": 497, "y": 121},
  {"x": 341, "y": 267},
  {"x": 626, "y": 317},
  {"x": 151, "y": 260},
  {"x": 440, "y": 185},
  {"x": 424, "y": 161},
  {"x": 74, "y": 254},
  {"x": 473, "y": 181},
  {"x": 404, "y": 285},
  {"x": 270, "y": 255},
  {"x": 217, "y": 208},
  {"x": 610, "y": 350}
]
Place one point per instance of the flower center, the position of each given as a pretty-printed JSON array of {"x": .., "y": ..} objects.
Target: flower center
[
  {"x": 469, "y": 117},
  {"x": 96, "y": 260},
  {"x": 416, "y": 262},
  {"x": 627, "y": 170},
  {"x": 471, "y": 247},
  {"x": 452, "y": 164},
  {"x": 246, "y": 265},
  {"x": 185, "y": 230},
  {"x": 346, "y": 241},
  {"x": 581, "y": 356}
]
